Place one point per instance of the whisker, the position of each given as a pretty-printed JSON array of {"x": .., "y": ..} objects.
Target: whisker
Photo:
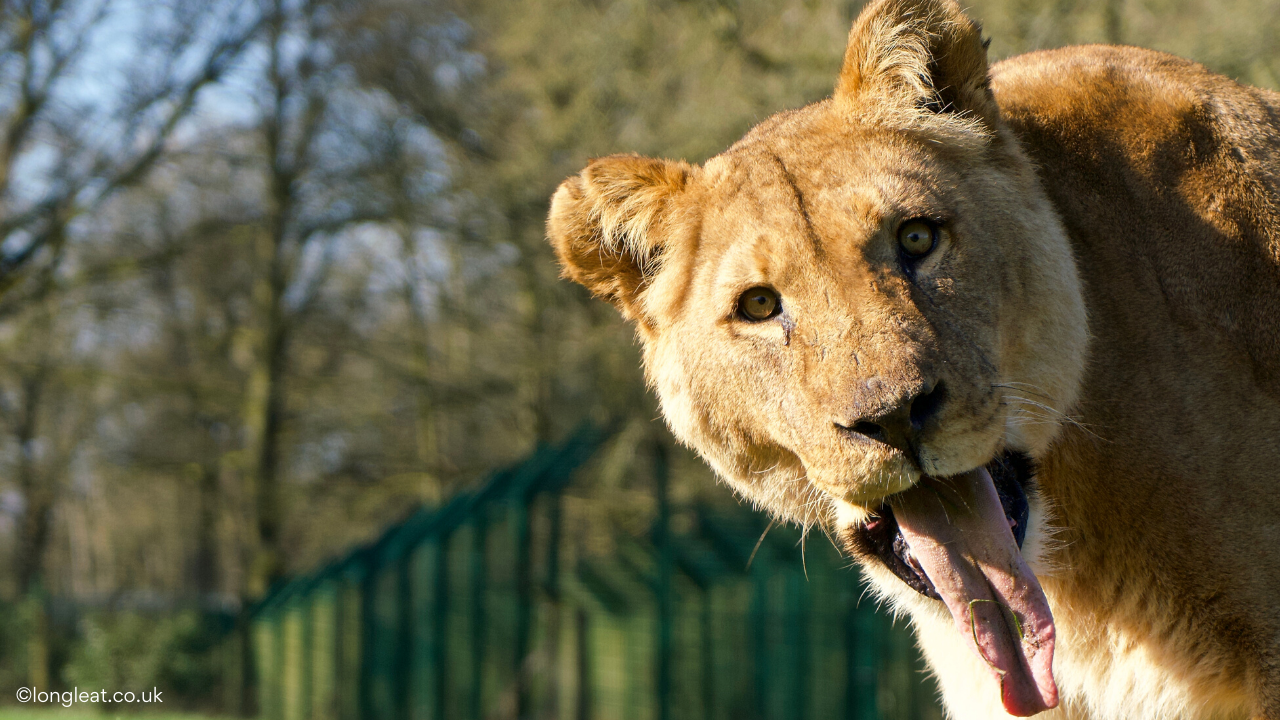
[
  {"x": 862, "y": 596},
  {"x": 756, "y": 549},
  {"x": 1025, "y": 387},
  {"x": 1047, "y": 408},
  {"x": 1051, "y": 412},
  {"x": 803, "y": 564}
]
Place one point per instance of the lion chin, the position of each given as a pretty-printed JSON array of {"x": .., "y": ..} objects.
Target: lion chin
[{"x": 1011, "y": 333}]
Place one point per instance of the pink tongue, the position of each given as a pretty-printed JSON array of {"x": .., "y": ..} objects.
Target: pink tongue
[{"x": 958, "y": 532}]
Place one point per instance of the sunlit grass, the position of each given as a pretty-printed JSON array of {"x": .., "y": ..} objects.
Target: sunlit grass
[{"x": 91, "y": 712}]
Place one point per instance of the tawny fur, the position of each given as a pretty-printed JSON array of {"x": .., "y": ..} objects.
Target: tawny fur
[{"x": 1105, "y": 297}]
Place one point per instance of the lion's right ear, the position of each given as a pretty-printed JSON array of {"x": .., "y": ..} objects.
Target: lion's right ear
[{"x": 609, "y": 224}]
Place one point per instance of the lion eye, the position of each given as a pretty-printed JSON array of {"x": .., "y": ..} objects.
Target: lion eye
[
  {"x": 917, "y": 237},
  {"x": 759, "y": 303}
]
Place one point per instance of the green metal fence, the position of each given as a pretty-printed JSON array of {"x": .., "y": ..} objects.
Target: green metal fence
[{"x": 481, "y": 609}]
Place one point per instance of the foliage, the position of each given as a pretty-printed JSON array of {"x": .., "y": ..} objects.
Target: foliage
[
  {"x": 13, "y": 642},
  {"x": 134, "y": 651}
]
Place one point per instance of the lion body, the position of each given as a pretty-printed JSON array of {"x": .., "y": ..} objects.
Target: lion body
[
  {"x": 1104, "y": 296},
  {"x": 1165, "y": 177}
]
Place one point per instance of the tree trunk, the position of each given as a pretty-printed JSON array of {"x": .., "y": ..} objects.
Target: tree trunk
[
  {"x": 268, "y": 404},
  {"x": 269, "y": 407},
  {"x": 34, "y": 527},
  {"x": 34, "y": 534},
  {"x": 205, "y": 564}
]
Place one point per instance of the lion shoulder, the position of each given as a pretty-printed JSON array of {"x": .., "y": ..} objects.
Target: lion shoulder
[{"x": 1167, "y": 178}]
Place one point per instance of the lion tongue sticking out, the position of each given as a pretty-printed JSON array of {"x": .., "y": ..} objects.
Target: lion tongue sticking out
[{"x": 958, "y": 532}]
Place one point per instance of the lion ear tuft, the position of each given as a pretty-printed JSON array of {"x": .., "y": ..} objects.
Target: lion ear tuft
[
  {"x": 926, "y": 54},
  {"x": 609, "y": 224}
]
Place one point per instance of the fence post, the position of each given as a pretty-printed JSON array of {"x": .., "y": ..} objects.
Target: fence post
[
  {"x": 479, "y": 621},
  {"x": 524, "y": 604},
  {"x": 432, "y": 621},
  {"x": 324, "y": 652},
  {"x": 368, "y": 646},
  {"x": 760, "y": 641},
  {"x": 708, "y": 654},
  {"x": 665, "y": 566},
  {"x": 555, "y": 607},
  {"x": 351, "y": 634},
  {"x": 584, "y": 665},
  {"x": 861, "y": 653},
  {"x": 238, "y": 669},
  {"x": 401, "y": 701},
  {"x": 798, "y": 632}
]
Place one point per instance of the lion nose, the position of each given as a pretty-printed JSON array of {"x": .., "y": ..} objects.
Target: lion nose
[{"x": 899, "y": 426}]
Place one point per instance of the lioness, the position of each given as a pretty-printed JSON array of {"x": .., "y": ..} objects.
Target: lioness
[{"x": 1012, "y": 332}]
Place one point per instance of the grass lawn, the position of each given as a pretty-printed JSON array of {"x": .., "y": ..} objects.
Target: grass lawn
[{"x": 91, "y": 712}]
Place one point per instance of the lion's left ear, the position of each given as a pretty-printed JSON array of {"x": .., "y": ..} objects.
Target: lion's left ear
[{"x": 923, "y": 54}]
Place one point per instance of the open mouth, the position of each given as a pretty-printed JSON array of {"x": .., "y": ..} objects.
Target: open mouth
[
  {"x": 881, "y": 538},
  {"x": 958, "y": 540}
]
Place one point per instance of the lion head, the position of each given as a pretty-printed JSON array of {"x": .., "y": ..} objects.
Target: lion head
[{"x": 860, "y": 294}]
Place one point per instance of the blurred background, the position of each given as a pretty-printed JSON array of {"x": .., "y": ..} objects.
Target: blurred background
[{"x": 296, "y": 419}]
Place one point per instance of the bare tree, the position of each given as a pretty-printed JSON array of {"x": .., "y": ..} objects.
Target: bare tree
[
  {"x": 75, "y": 151},
  {"x": 321, "y": 180}
]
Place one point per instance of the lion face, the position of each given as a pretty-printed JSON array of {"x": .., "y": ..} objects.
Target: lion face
[
  {"x": 875, "y": 363},
  {"x": 907, "y": 271}
]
